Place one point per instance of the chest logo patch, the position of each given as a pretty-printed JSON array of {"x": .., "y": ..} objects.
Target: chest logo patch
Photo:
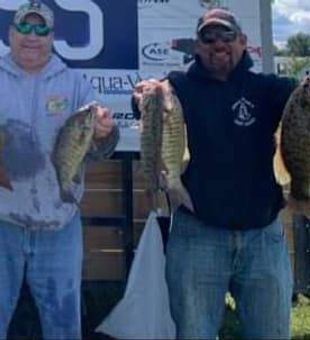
[
  {"x": 56, "y": 105},
  {"x": 243, "y": 111}
]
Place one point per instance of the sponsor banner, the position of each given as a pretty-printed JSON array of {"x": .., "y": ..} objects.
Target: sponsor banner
[
  {"x": 175, "y": 9},
  {"x": 118, "y": 43},
  {"x": 88, "y": 33},
  {"x": 124, "y": 118}
]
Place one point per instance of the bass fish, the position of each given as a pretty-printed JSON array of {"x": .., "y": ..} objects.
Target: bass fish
[
  {"x": 72, "y": 144},
  {"x": 163, "y": 143},
  {"x": 295, "y": 140}
]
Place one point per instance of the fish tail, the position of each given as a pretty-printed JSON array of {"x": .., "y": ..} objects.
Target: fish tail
[{"x": 179, "y": 195}]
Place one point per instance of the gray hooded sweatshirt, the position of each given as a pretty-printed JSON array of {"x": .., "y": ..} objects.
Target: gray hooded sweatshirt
[{"x": 32, "y": 109}]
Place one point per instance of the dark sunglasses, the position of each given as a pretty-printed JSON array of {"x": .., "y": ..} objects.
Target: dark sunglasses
[
  {"x": 210, "y": 37},
  {"x": 40, "y": 30}
]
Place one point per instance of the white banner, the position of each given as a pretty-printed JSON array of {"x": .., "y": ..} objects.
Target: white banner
[{"x": 117, "y": 43}]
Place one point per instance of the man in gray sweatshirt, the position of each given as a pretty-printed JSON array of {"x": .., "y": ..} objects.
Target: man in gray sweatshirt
[{"x": 40, "y": 235}]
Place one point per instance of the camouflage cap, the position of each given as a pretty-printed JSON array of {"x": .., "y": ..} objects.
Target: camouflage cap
[
  {"x": 35, "y": 7},
  {"x": 218, "y": 16}
]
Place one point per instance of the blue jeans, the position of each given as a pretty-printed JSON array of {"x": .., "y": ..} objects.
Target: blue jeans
[
  {"x": 51, "y": 261},
  {"x": 204, "y": 262}
]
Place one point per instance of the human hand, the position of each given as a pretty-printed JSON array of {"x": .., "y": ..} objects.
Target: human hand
[
  {"x": 142, "y": 87},
  {"x": 103, "y": 122}
]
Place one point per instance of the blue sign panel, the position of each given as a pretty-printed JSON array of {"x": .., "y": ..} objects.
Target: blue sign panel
[{"x": 89, "y": 34}]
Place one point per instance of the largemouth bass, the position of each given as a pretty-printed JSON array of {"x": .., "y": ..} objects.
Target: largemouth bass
[
  {"x": 163, "y": 143},
  {"x": 295, "y": 140},
  {"x": 73, "y": 142}
]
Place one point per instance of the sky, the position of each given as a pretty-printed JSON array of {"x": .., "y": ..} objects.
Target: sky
[{"x": 289, "y": 17}]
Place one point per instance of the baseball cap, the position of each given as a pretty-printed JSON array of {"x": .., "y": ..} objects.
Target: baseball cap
[
  {"x": 35, "y": 7},
  {"x": 218, "y": 16}
]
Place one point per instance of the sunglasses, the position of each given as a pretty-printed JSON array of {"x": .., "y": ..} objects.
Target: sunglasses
[
  {"x": 210, "y": 37},
  {"x": 40, "y": 30}
]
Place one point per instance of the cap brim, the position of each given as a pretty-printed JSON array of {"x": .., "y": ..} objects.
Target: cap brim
[
  {"x": 216, "y": 21},
  {"x": 34, "y": 12}
]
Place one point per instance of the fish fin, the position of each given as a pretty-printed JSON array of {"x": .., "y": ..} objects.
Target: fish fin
[
  {"x": 77, "y": 178},
  {"x": 280, "y": 171},
  {"x": 68, "y": 197},
  {"x": 178, "y": 195}
]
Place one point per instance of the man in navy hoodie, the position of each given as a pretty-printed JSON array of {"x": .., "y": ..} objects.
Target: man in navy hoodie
[{"x": 233, "y": 240}]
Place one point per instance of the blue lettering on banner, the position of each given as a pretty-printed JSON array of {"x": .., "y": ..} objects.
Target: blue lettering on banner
[
  {"x": 88, "y": 33},
  {"x": 114, "y": 85}
]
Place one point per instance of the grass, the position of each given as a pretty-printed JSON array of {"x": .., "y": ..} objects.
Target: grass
[{"x": 300, "y": 320}]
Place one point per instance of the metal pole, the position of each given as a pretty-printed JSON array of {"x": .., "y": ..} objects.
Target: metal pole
[{"x": 266, "y": 35}]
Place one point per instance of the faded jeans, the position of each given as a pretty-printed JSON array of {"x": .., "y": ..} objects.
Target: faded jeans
[
  {"x": 204, "y": 262},
  {"x": 51, "y": 262}
]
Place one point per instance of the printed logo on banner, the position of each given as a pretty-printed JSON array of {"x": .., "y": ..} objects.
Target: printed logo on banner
[
  {"x": 124, "y": 119},
  {"x": 148, "y": 3},
  {"x": 156, "y": 51},
  {"x": 113, "y": 84},
  {"x": 177, "y": 52},
  {"x": 87, "y": 32},
  {"x": 212, "y": 3}
]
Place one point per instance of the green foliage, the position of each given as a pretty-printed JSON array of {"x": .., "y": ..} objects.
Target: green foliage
[
  {"x": 296, "y": 65},
  {"x": 300, "y": 322},
  {"x": 298, "y": 45},
  {"x": 280, "y": 52}
]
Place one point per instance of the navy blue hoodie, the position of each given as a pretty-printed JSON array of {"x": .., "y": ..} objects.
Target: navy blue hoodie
[{"x": 231, "y": 126}]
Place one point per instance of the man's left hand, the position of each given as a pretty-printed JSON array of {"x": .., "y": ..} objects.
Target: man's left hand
[{"x": 103, "y": 122}]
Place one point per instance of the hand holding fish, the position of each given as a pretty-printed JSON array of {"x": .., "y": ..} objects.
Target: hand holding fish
[
  {"x": 163, "y": 141},
  {"x": 143, "y": 87},
  {"x": 103, "y": 122}
]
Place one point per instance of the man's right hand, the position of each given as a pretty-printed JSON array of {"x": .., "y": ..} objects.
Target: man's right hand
[{"x": 141, "y": 87}]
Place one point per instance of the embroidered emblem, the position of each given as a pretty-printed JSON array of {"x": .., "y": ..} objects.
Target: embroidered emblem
[
  {"x": 242, "y": 109},
  {"x": 56, "y": 105}
]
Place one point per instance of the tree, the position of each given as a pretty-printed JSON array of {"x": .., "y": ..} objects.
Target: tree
[
  {"x": 296, "y": 65},
  {"x": 279, "y": 52},
  {"x": 298, "y": 45}
]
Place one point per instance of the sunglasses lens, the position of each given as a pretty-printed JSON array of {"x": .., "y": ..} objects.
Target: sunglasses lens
[
  {"x": 229, "y": 36},
  {"x": 210, "y": 37},
  {"x": 23, "y": 28},
  {"x": 39, "y": 29}
]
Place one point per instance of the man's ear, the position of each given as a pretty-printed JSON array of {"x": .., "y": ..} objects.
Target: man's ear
[
  {"x": 11, "y": 30},
  {"x": 243, "y": 39},
  {"x": 197, "y": 46}
]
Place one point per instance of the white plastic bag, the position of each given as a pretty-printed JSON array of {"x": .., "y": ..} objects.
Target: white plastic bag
[{"x": 144, "y": 312}]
